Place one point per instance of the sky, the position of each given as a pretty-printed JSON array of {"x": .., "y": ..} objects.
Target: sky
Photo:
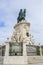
[{"x": 9, "y": 10}]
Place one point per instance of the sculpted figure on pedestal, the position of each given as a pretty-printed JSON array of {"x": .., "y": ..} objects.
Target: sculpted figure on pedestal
[{"x": 21, "y": 15}]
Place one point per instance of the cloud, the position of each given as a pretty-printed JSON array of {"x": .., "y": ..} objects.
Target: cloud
[
  {"x": 2, "y": 24},
  {"x": 9, "y": 10}
]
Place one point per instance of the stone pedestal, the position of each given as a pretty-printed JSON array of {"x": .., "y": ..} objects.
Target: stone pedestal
[
  {"x": 20, "y": 30},
  {"x": 7, "y": 49},
  {"x": 25, "y": 53},
  {"x": 24, "y": 49},
  {"x": 40, "y": 51},
  {"x": 19, "y": 35}
]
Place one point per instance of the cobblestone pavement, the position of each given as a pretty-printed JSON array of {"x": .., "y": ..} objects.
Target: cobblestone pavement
[
  {"x": 30, "y": 64},
  {"x": 1, "y": 63},
  {"x": 36, "y": 64}
]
